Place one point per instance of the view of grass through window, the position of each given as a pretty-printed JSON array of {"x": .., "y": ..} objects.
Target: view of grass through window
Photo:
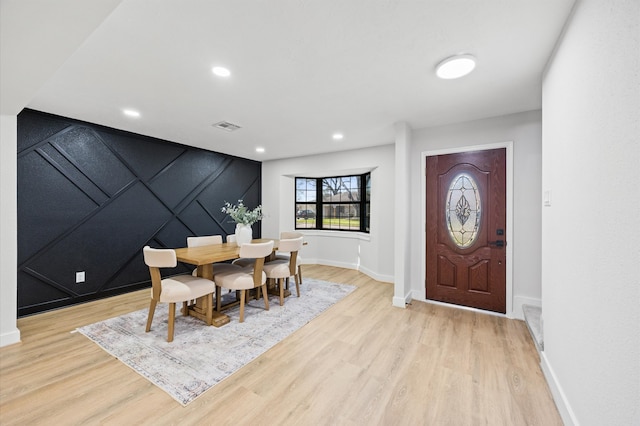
[{"x": 337, "y": 203}]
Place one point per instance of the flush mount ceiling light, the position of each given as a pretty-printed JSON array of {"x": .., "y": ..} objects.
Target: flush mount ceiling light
[
  {"x": 338, "y": 136},
  {"x": 131, "y": 113},
  {"x": 456, "y": 66},
  {"x": 260, "y": 149},
  {"x": 221, "y": 71}
]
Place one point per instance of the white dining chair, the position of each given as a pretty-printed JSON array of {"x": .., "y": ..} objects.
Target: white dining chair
[
  {"x": 285, "y": 256},
  {"x": 235, "y": 277},
  {"x": 178, "y": 288},
  {"x": 205, "y": 240},
  {"x": 280, "y": 270}
]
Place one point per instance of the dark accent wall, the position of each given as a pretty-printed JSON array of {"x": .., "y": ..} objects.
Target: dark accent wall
[{"x": 90, "y": 197}]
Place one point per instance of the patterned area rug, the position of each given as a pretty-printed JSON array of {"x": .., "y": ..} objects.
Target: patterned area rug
[{"x": 185, "y": 368}]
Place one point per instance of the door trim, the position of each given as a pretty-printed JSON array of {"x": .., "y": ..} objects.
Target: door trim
[{"x": 509, "y": 247}]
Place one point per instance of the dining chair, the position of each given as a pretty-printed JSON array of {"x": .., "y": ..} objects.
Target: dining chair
[
  {"x": 235, "y": 277},
  {"x": 285, "y": 235},
  {"x": 204, "y": 240},
  {"x": 281, "y": 269},
  {"x": 178, "y": 288},
  {"x": 231, "y": 238}
]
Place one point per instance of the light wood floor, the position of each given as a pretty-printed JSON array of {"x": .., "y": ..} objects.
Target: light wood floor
[{"x": 360, "y": 362}]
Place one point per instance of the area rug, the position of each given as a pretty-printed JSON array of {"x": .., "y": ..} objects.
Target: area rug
[{"x": 200, "y": 356}]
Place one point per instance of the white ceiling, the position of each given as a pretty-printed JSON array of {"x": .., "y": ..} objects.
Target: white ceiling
[{"x": 301, "y": 70}]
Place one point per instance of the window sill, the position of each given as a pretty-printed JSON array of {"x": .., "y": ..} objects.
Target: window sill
[{"x": 362, "y": 236}]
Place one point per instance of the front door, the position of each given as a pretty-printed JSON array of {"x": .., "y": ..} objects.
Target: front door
[{"x": 466, "y": 229}]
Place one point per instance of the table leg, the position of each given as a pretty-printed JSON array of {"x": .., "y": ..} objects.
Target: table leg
[{"x": 199, "y": 310}]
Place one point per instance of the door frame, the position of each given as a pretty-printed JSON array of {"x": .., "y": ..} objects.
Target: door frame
[{"x": 509, "y": 231}]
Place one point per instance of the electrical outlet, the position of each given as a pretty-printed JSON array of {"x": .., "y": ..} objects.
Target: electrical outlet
[{"x": 79, "y": 277}]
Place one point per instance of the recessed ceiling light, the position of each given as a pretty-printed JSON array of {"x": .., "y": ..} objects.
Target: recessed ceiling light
[
  {"x": 456, "y": 66},
  {"x": 131, "y": 113},
  {"x": 221, "y": 71},
  {"x": 338, "y": 136},
  {"x": 260, "y": 149}
]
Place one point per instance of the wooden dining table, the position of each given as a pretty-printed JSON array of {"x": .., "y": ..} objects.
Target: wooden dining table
[{"x": 204, "y": 257}]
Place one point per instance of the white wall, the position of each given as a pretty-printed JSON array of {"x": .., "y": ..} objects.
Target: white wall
[
  {"x": 29, "y": 55},
  {"x": 371, "y": 253},
  {"x": 376, "y": 256},
  {"x": 9, "y": 333},
  {"x": 524, "y": 130},
  {"x": 402, "y": 222},
  {"x": 591, "y": 237}
]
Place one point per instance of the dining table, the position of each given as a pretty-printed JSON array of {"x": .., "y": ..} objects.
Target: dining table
[{"x": 204, "y": 258}]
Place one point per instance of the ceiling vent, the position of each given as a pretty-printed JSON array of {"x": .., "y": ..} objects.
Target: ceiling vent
[{"x": 225, "y": 125}]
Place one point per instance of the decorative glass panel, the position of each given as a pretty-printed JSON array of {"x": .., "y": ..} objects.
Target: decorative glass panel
[{"x": 463, "y": 210}]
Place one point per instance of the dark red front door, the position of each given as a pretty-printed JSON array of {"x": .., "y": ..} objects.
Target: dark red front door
[{"x": 466, "y": 229}]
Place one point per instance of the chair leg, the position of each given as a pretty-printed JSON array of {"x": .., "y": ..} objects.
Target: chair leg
[
  {"x": 265, "y": 295},
  {"x": 281, "y": 285},
  {"x": 218, "y": 298},
  {"x": 300, "y": 273},
  {"x": 172, "y": 320},
  {"x": 242, "y": 296},
  {"x": 185, "y": 308},
  {"x": 297, "y": 287},
  {"x": 152, "y": 310}
]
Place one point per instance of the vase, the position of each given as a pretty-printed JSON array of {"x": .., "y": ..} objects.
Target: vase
[{"x": 244, "y": 234}]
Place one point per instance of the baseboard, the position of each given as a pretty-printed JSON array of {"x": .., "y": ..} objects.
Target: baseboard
[
  {"x": 518, "y": 301},
  {"x": 10, "y": 338},
  {"x": 346, "y": 265},
  {"x": 376, "y": 276},
  {"x": 564, "y": 408}
]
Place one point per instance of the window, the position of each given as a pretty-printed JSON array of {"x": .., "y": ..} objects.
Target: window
[
  {"x": 463, "y": 210},
  {"x": 338, "y": 203}
]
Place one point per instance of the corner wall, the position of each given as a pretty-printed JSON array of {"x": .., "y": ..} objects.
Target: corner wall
[
  {"x": 9, "y": 332},
  {"x": 591, "y": 255},
  {"x": 370, "y": 253}
]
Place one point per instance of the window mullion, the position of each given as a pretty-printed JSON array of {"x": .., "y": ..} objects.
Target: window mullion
[{"x": 319, "y": 205}]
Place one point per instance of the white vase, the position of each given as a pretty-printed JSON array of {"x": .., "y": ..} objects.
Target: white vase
[{"x": 244, "y": 234}]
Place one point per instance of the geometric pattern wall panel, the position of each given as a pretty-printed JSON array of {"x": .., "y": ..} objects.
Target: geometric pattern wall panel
[{"x": 90, "y": 197}]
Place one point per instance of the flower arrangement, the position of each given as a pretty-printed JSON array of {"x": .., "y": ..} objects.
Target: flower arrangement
[{"x": 241, "y": 214}]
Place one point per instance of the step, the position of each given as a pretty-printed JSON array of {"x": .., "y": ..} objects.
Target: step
[{"x": 533, "y": 319}]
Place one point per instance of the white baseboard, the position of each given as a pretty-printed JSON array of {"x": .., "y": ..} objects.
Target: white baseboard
[
  {"x": 376, "y": 276},
  {"x": 567, "y": 414},
  {"x": 401, "y": 302},
  {"x": 518, "y": 301},
  {"x": 10, "y": 338}
]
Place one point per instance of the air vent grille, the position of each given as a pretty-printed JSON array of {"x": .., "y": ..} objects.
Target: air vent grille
[{"x": 225, "y": 125}]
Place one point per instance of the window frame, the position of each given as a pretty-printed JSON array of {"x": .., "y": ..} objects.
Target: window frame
[{"x": 364, "y": 202}]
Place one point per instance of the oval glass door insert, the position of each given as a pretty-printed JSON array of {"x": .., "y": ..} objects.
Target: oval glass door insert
[{"x": 463, "y": 210}]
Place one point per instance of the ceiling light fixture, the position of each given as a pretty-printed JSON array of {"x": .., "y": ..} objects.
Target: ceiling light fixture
[
  {"x": 221, "y": 71},
  {"x": 338, "y": 136},
  {"x": 260, "y": 149},
  {"x": 131, "y": 113},
  {"x": 456, "y": 66}
]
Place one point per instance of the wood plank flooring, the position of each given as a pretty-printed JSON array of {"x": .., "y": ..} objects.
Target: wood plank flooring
[{"x": 360, "y": 362}]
